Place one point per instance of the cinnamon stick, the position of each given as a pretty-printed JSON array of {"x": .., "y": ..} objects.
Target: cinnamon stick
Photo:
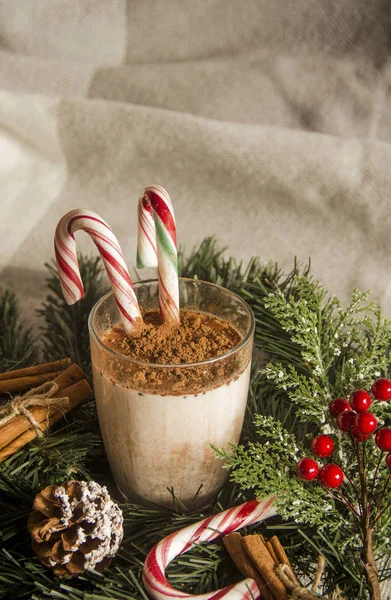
[
  {"x": 281, "y": 554},
  {"x": 22, "y": 384},
  {"x": 265, "y": 565},
  {"x": 233, "y": 544},
  {"x": 22, "y": 380},
  {"x": 50, "y": 367},
  {"x": 76, "y": 393},
  {"x": 20, "y": 424},
  {"x": 272, "y": 553},
  {"x": 65, "y": 379}
]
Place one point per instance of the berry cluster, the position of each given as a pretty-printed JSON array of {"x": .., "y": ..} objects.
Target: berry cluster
[
  {"x": 354, "y": 418},
  {"x": 330, "y": 475}
]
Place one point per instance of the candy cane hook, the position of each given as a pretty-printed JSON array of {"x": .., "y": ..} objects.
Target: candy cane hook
[
  {"x": 157, "y": 246},
  {"x": 206, "y": 530},
  {"x": 113, "y": 260}
]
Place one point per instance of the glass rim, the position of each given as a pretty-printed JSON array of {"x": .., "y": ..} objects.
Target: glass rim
[{"x": 209, "y": 361}]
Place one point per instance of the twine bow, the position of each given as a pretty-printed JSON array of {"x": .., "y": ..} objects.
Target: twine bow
[
  {"x": 19, "y": 405},
  {"x": 298, "y": 592}
]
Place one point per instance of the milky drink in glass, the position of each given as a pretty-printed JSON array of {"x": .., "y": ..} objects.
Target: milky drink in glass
[{"x": 158, "y": 421}]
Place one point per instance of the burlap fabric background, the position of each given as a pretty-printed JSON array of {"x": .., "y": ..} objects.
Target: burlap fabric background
[{"x": 267, "y": 121}]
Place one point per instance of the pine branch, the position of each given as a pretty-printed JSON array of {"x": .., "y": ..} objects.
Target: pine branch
[
  {"x": 65, "y": 332},
  {"x": 208, "y": 263},
  {"x": 18, "y": 348},
  {"x": 52, "y": 459},
  {"x": 20, "y": 574},
  {"x": 254, "y": 282},
  {"x": 72, "y": 452}
]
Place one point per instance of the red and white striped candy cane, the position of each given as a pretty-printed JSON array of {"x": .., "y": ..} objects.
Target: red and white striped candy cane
[
  {"x": 204, "y": 531},
  {"x": 113, "y": 260},
  {"x": 157, "y": 246}
]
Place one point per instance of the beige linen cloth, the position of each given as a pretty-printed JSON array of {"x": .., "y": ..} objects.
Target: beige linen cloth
[{"x": 268, "y": 121}]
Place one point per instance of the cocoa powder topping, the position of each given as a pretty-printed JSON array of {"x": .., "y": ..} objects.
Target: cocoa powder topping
[{"x": 200, "y": 336}]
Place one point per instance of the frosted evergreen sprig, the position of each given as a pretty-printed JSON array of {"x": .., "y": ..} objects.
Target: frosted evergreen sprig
[
  {"x": 321, "y": 351},
  {"x": 270, "y": 464},
  {"x": 339, "y": 348},
  {"x": 305, "y": 392}
]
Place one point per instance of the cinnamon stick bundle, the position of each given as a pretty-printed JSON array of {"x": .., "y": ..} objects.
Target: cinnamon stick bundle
[
  {"x": 258, "y": 559},
  {"x": 265, "y": 565},
  {"x": 20, "y": 424},
  {"x": 268, "y": 564},
  {"x": 233, "y": 543},
  {"x": 72, "y": 388},
  {"x": 74, "y": 394},
  {"x": 22, "y": 380}
]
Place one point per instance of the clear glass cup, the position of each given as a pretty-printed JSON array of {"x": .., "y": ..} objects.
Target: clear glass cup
[{"x": 159, "y": 443}]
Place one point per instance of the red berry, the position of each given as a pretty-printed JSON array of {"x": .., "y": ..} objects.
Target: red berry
[
  {"x": 383, "y": 439},
  {"x": 345, "y": 420},
  {"x": 331, "y": 476},
  {"x": 360, "y": 400},
  {"x": 381, "y": 389},
  {"x": 365, "y": 422},
  {"x": 338, "y": 405},
  {"x": 322, "y": 445},
  {"x": 307, "y": 469},
  {"x": 388, "y": 460}
]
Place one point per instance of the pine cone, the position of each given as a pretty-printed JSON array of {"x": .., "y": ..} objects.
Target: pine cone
[{"x": 74, "y": 527}]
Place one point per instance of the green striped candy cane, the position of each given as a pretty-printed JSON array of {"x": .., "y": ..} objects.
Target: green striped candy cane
[{"x": 157, "y": 246}]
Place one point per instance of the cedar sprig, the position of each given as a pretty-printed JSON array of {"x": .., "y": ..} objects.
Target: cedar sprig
[
  {"x": 341, "y": 349},
  {"x": 269, "y": 464},
  {"x": 338, "y": 350}
]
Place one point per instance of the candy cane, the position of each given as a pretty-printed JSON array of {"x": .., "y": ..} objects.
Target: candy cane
[
  {"x": 204, "y": 531},
  {"x": 113, "y": 260},
  {"x": 156, "y": 246}
]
